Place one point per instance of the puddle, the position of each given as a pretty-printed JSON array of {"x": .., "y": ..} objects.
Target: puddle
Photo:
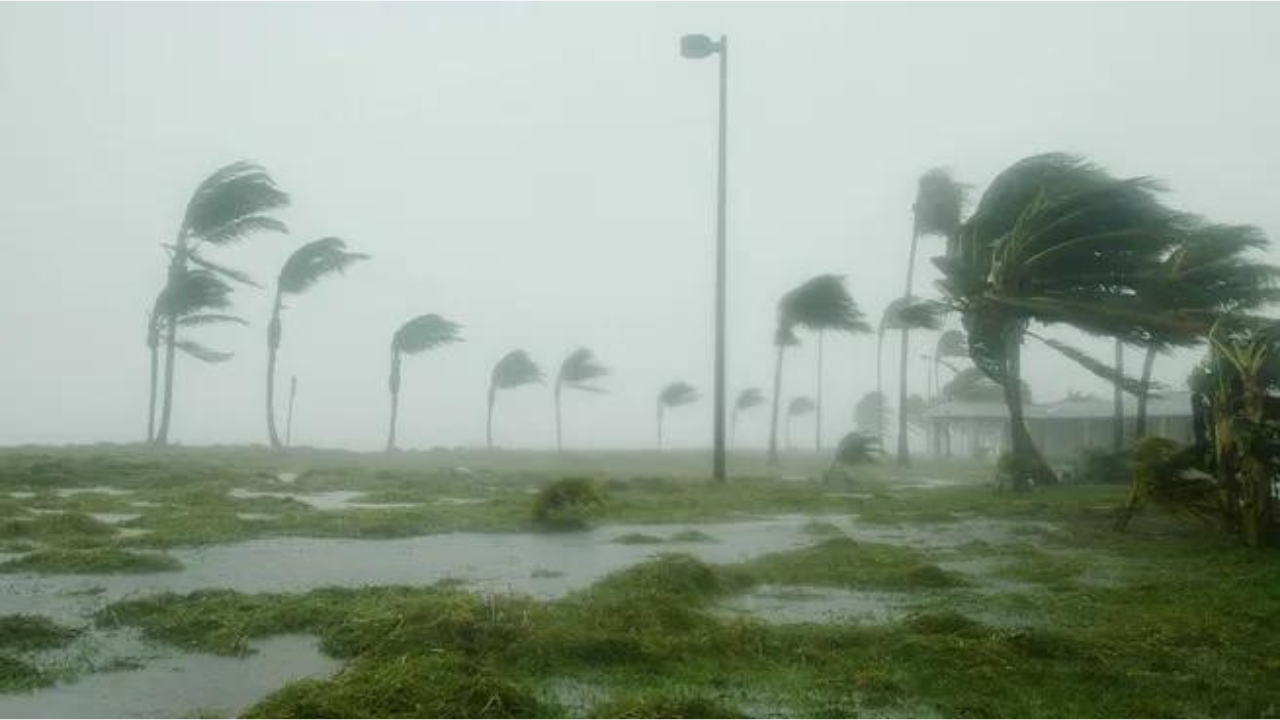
[
  {"x": 22, "y": 495},
  {"x": 327, "y": 501},
  {"x": 459, "y": 501},
  {"x": 97, "y": 489},
  {"x": 114, "y": 518},
  {"x": 257, "y": 516},
  {"x": 790, "y": 604},
  {"x": 287, "y": 477},
  {"x": 180, "y": 685}
]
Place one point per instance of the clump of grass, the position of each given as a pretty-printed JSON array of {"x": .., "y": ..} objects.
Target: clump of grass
[
  {"x": 441, "y": 686},
  {"x": 23, "y": 633},
  {"x": 843, "y": 562},
  {"x": 55, "y": 526},
  {"x": 692, "y": 536},
  {"x": 666, "y": 705},
  {"x": 16, "y": 675},
  {"x": 638, "y": 539},
  {"x": 821, "y": 528},
  {"x": 91, "y": 561},
  {"x": 567, "y": 504}
]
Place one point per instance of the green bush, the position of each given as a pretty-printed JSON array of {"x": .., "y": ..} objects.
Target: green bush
[
  {"x": 567, "y": 504},
  {"x": 1102, "y": 467}
]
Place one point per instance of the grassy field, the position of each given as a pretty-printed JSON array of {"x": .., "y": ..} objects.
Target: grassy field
[{"x": 984, "y": 604}]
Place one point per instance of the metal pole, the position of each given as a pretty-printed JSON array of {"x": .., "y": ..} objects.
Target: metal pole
[{"x": 719, "y": 455}]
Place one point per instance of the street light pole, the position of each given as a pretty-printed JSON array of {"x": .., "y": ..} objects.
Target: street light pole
[{"x": 696, "y": 47}]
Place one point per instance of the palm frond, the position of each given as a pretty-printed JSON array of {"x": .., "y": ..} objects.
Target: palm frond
[
  {"x": 228, "y": 196},
  {"x": 676, "y": 394},
  {"x": 871, "y": 414},
  {"x": 801, "y": 406},
  {"x": 202, "y": 353},
  {"x": 516, "y": 368},
  {"x": 195, "y": 292},
  {"x": 952, "y": 343},
  {"x": 1130, "y": 385},
  {"x": 241, "y": 228},
  {"x": 857, "y": 448},
  {"x": 313, "y": 261},
  {"x": 821, "y": 303},
  {"x": 912, "y": 313},
  {"x": 580, "y": 368},
  {"x": 210, "y": 319},
  {"x": 939, "y": 204},
  {"x": 425, "y": 332},
  {"x": 749, "y": 398},
  {"x": 227, "y": 272}
]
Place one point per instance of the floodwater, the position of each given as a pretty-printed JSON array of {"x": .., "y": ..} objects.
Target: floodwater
[
  {"x": 332, "y": 500},
  {"x": 545, "y": 565}
]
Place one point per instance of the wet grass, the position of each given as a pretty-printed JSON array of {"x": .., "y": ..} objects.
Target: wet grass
[
  {"x": 91, "y": 561},
  {"x": 24, "y": 633},
  {"x": 844, "y": 562}
]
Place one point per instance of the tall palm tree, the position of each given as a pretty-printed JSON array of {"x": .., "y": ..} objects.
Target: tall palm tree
[
  {"x": 673, "y": 395},
  {"x": 1053, "y": 240},
  {"x": 514, "y": 370},
  {"x": 819, "y": 304},
  {"x": 747, "y": 399},
  {"x": 798, "y": 406},
  {"x": 869, "y": 413},
  {"x": 304, "y": 268},
  {"x": 1211, "y": 272},
  {"x": 937, "y": 211},
  {"x": 424, "y": 332},
  {"x": 230, "y": 205},
  {"x": 951, "y": 344},
  {"x": 905, "y": 314},
  {"x": 193, "y": 300},
  {"x": 577, "y": 371}
]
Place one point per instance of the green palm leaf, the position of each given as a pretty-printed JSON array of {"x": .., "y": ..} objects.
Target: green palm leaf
[
  {"x": 226, "y": 272},
  {"x": 202, "y": 353},
  {"x": 313, "y": 261},
  {"x": 580, "y": 368},
  {"x": 218, "y": 209},
  {"x": 800, "y": 406},
  {"x": 516, "y": 368},
  {"x": 425, "y": 332},
  {"x": 210, "y": 319},
  {"x": 749, "y": 398},
  {"x": 821, "y": 303},
  {"x": 676, "y": 394},
  {"x": 939, "y": 203}
]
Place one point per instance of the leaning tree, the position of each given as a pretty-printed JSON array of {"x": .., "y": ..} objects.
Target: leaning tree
[
  {"x": 747, "y": 399},
  {"x": 304, "y": 268},
  {"x": 674, "y": 395},
  {"x": 515, "y": 369},
  {"x": 425, "y": 332},
  {"x": 577, "y": 372},
  {"x": 819, "y": 304},
  {"x": 229, "y": 206},
  {"x": 798, "y": 406}
]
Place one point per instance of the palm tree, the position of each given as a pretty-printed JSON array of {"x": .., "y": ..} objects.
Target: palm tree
[
  {"x": 227, "y": 207},
  {"x": 304, "y": 268},
  {"x": 514, "y": 370},
  {"x": 1208, "y": 274},
  {"x": 1053, "y": 240},
  {"x": 951, "y": 344},
  {"x": 819, "y": 304},
  {"x": 869, "y": 413},
  {"x": 424, "y": 332},
  {"x": 576, "y": 373},
  {"x": 288, "y": 423},
  {"x": 672, "y": 396},
  {"x": 798, "y": 406},
  {"x": 747, "y": 399},
  {"x": 905, "y": 314},
  {"x": 936, "y": 211},
  {"x": 192, "y": 300}
]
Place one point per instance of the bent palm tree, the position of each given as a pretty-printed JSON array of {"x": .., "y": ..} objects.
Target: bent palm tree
[
  {"x": 951, "y": 344},
  {"x": 747, "y": 399},
  {"x": 905, "y": 314},
  {"x": 1053, "y": 240},
  {"x": 424, "y": 332},
  {"x": 576, "y": 373},
  {"x": 674, "y": 395},
  {"x": 798, "y": 406},
  {"x": 819, "y": 304},
  {"x": 227, "y": 207},
  {"x": 304, "y": 268},
  {"x": 869, "y": 413},
  {"x": 192, "y": 301},
  {"x": 514, "y": 370},
  {"x": 937, "y": 211}
]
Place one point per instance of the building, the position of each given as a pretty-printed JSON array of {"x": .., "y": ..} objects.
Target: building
[{"x": 1059, "y": 429}]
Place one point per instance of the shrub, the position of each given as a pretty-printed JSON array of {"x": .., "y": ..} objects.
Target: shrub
[{"x": 566, "y": 504}]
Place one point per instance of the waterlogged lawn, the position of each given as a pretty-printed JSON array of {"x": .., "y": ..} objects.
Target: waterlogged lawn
[{"x": 904, "y": 594}]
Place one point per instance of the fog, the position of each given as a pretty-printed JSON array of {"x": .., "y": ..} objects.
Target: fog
[{"x": 545, "y": 176}]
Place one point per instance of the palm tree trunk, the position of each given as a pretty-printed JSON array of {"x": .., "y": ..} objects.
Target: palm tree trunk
[
  {"x": 488, "y": 425},
  {"x": 777, "y": 393},
  {"x": 1029, "y": 463},
  {"x": 817, "y": 442},
  {"x": 1140, "y": 422},
  {"x": 153, "y": 344},
  {"x": 559, "y": 443},
  {"x": 904, "y": 444},
  {"x": 273, "y": 346},
  {"x": 288, "y": 423},
  {"x": 880, "y": 384},
  {"x": 393, "y": 383},
  {"x": 1117, "y": 420},
  {"x": 177, "y": 270}
]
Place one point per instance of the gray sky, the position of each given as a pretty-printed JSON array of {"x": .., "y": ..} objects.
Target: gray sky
[{"x": 544, "y": 175}]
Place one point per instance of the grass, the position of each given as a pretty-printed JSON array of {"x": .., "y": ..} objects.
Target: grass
[
  {"x": 91, "y": 561},
  {"x": 1066, "y": 618},
  {"x": 24, "y": 633}
]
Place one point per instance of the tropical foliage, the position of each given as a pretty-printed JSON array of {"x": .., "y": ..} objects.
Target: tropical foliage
[
  {"x": 425, "y": 332},
  {"x": 747, "y": 399},
  {"x": 673, "y": 395},
  {"x": 515, "y": 369},
  {"x": 578, "y": 371}
]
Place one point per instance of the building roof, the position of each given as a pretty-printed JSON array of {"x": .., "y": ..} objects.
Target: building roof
[{"x": 1168, "y": 404}]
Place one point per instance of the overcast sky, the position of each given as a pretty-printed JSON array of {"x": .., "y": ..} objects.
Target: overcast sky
[{"x": 545, "y": 175}]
